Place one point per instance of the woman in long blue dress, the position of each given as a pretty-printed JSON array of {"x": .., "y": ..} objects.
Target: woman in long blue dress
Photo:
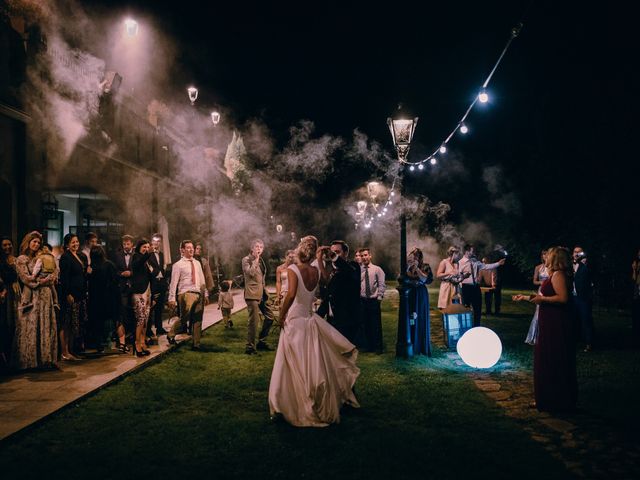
[{"x": 419, "y": 275}]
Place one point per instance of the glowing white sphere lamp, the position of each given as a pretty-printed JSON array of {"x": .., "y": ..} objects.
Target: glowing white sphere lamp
[
  {"x": 433, "y": 161},
  {"x": 483, "y": 96},
  {"x": 420, "y": 167},
  {"x": 479, "y": 347},
  {"x": 215, "y": 117},
  {"x": 193, "y": 94},
  {"x": 131, "y": 27},
  {"x": 464, "y": 129},
  {"x": 412, "y": 168},
  {"x": 443, "y": 149}
]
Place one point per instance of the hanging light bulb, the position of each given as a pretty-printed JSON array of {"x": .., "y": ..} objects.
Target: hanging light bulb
[
  {"x": 443, "y": 149},
  {"x": 392, "y": 193},
  {"x": 483, "y": 97},
  {"x": 433, "y": 161},
  {"x": 412, "y": 168},
  {"x": 390, "y": 202},
  {"x": 464, "y": 129},
  {"x": 420, "y": 167},
  {"x": 193, "y": 94}
]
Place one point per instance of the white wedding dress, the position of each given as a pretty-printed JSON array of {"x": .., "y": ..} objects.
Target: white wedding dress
[{"x": 315, "y": 367}]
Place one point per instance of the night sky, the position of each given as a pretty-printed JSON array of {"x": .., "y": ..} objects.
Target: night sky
[{"x": 559, "y": 126}]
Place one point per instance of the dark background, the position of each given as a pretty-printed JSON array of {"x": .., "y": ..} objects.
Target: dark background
[{"x": 559, "y": 128}]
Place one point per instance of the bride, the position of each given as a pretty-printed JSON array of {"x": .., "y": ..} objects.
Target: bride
[{"x": 315, "y": 367}]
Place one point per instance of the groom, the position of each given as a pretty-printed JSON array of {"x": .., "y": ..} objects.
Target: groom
[
  {"x": 255, "y": 294},
  {"x": 342, "y": 280}
]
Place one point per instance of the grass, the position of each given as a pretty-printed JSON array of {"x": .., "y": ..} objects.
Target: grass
[{"x": 206, "y": 414}]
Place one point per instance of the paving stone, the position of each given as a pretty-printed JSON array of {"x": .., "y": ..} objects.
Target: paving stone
[
  {"x": 487, "y": 386},
  {"x": 558, "y": 424},
  {"x": 499, "y": 395}
]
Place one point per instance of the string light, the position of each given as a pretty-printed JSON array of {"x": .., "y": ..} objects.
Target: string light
[
  {"x": 421, "y": 167},
  {"x": 482, "y": 97}
]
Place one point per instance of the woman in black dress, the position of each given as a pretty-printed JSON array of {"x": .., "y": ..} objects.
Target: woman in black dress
[
  {"x": 73, "y": 287},
  {"x": 104, "y": 298}
]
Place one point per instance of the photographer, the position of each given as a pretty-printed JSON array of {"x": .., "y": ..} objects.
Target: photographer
[
  {"x": 635, "y": 309},
  {"x": 583, "y": 296}
]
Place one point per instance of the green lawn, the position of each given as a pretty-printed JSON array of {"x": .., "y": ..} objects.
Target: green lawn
[{"x": 206, "y": 414}]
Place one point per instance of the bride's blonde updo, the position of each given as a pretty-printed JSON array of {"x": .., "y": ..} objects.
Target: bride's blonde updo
[{"x": 307, "y": 247}]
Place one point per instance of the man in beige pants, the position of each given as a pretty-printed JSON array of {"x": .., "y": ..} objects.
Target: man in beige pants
[
  {"x": 255, "y": 294},
  {"x": 188, "y": 281}
]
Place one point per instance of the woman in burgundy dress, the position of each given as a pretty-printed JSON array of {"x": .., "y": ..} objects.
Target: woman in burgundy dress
[{"x": 554, "y": 360}]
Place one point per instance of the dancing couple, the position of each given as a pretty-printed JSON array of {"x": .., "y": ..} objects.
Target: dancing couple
[{"x": 315, "y": 367}]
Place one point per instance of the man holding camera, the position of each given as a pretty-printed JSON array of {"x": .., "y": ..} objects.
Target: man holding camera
[
  {"x": 254, "y": 270},
  {"x": 471, "y": 267},
  {"x": 342, "y": 280},
  {"x": 583, "y": 296}
]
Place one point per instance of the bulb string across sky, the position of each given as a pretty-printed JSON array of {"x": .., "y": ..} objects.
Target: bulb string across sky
[{"x": 462, "y": 126}]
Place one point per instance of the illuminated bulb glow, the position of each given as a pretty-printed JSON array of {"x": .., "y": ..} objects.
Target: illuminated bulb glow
[
  {"x": 420, "y": 167},
  {"x": 443, "y": 149},
  {"x": 390, "y": 202},
  {"x": 412, "y": 168},
  {"x": 433, "y": 161},
  {"x": 483, "y": 97},
  {"x": 193, "y": 94},
  {"x": 131, "y": 26},
  {"x": 215, "y": 117},
  {"x": 464, "y": 129},
  {"x": 393, "y": 193},
  {"x": 479, "y": 347}
]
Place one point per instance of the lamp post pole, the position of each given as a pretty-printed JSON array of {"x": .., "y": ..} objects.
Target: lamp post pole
[{"x": 402, "y": 132}]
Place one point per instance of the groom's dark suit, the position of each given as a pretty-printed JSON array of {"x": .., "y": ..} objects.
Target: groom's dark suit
[{"x": 343, "y": 298}]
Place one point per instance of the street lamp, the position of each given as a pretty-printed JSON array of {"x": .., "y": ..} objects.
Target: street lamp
[
  {"x": 131, "y": 27},
  {"x": 402, "y": 131},
  {"x": 193, "y": 94}
]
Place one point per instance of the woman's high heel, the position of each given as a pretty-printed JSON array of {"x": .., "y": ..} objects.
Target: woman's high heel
[{"x": 139, "y": 354}]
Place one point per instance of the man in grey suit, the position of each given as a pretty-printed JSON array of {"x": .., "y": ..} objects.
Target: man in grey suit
[{"x": 255, "y": 294}]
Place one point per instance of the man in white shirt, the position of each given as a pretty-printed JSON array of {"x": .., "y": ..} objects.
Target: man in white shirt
[
  {"x": 188, "y": 281},
  {"x": 471, "y": 294},
  {"x": 372, "y": 288}
]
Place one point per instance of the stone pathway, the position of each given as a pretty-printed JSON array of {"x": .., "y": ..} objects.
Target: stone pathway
[{"x": 30, "y": 397}]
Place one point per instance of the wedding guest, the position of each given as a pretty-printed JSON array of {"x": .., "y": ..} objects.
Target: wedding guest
[
  {"x": 141, "y": 294},
  {"x": 358, "y": 256},
  {"x": 554, "y": 360},
  {"x": 9, "y": 308},
  {"x": 73, "y": 288},
  {"x": 254, "y": 270},
  {"x": 122, "y": 261},
  {"x": 635, "y": 309},
  {"x": 340, "y": 290},
  {"x": 372, "y": 288},
  {"x": 225, "y": 304},
  {"x": 45, "y": 266},
  {"x": 35, "y": 344},
  {"x": 450, "y": 277},
  {"x": 159, "y": 286},
  {"x": 187, "y": 279},
  {"x": 471, "y": 267},
  {"x": 540, "y": 274},
  {"x": 90, "y": 240},
  {"x": 206, "y": 268},
  {"x": 104, "y": 300},
  {"x": 583, "y": 296},
  {"x": 419, "y": 275},
  {"x": 282, "y": 285},
  {"x": 488, "y": 279}
]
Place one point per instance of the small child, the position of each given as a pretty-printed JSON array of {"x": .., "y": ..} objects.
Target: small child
[
  {"x": 225, "y": 303},
  {"x": 44, "y": 267}
]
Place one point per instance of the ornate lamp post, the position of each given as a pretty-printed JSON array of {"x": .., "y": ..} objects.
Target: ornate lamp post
[{"x": 402, "y": 130}]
